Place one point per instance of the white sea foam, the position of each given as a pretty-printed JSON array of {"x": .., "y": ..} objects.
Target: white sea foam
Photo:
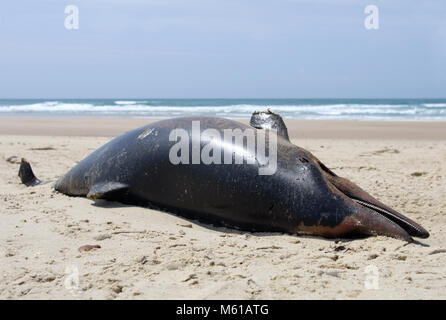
[
  {"x": 435, "y": 105},
  {"x": 126, "y": 102},
  {"x": 304, "y": 111}
]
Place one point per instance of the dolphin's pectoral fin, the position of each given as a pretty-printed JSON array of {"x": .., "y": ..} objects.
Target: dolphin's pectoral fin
[
  {"x": 26, "y": 174},
  {"x": 268, "y": 120},
  {"x": 106, "y": 190}
]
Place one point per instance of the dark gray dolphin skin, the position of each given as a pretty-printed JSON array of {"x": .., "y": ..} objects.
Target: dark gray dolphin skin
[
  {"x": 26, "y": 174},
  {"x": 302, "y": 197},
  {"x": 269, "y": 121}
]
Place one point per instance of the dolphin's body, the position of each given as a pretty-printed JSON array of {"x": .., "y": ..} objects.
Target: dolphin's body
[{"x": 302, "y": 196}]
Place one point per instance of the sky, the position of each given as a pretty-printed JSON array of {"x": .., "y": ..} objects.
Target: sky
[{"x": 222, "y": 49}]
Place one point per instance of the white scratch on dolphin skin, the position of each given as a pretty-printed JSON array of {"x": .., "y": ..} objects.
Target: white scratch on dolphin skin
[{"x": 145, "y": 133}]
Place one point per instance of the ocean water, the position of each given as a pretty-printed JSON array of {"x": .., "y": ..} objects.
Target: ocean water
[{"x": 341, "y": 109}]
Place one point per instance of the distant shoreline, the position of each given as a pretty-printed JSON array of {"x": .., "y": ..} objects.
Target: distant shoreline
[
  {"x": 299, "y": 109},
  {"x": 298, "y": 129}
]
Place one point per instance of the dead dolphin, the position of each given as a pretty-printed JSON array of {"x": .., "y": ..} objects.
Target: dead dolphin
[{"x": 302, "y": 196}]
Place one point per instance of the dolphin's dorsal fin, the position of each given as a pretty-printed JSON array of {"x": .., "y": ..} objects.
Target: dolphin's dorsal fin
[
  {"x": 105, "y": 190},
  {"x": 269, "y": 120}
]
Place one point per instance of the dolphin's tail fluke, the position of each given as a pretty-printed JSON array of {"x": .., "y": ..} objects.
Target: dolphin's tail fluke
[{"x": 26, "y": 174}]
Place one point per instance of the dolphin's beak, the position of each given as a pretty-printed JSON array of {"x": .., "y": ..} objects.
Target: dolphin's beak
[{"x": 373, "y": 214}]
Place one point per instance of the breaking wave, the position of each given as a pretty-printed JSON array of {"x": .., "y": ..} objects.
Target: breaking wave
[{"x": 297, "y": 109}]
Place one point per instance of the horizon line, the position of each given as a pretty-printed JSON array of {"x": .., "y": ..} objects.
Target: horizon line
[{"x": 235, "y": 98}]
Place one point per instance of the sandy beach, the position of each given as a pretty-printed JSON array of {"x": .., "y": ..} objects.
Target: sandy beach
[{"x": 146, "y": 254}]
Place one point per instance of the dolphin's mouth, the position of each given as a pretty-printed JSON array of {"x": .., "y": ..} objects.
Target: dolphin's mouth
[
  {"x": 411, "y": 227},
  {"x": 363, "y": 199}
]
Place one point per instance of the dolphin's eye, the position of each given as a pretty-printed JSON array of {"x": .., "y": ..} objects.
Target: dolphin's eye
[{"x": 302, "y": 159}]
